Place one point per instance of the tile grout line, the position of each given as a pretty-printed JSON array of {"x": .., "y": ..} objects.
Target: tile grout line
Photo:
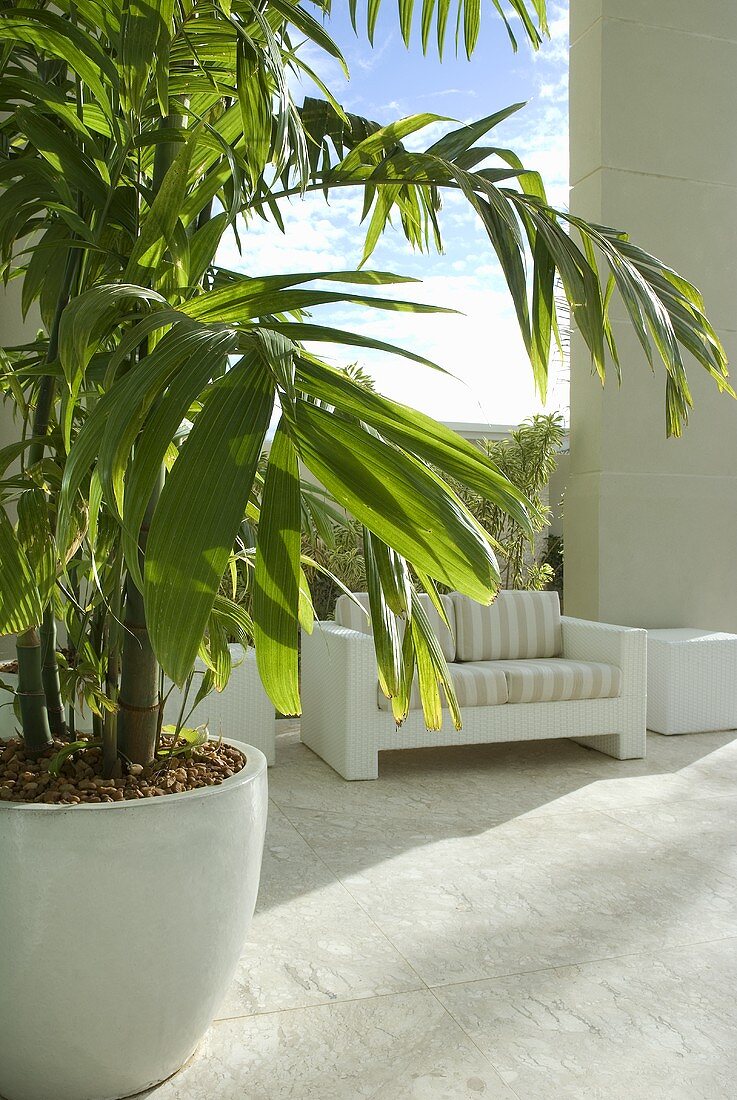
[
  {"x": 641, "y": 832},
  {"x": 590, "y": 961},
  {"x": 470, "y": 822},
  {"x": 321, "y": 1004},
  {"x": 379, "y": 929},
  {"x": 473, "y": 1042},
  {"x": 582, "y": 963},
  {"x": 364, "y": 1000},
  {"x": 436, "y": 989},
  {"x": 337, "y": 999}
]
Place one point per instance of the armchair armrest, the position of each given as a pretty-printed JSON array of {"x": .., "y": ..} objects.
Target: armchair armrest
[
  {"x": 623, "y": 646},
  {"x": 339, "y": 705},
  {"x": 338, "y": 670}
]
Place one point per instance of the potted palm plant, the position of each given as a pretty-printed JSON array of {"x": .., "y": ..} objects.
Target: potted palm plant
[{"x": 134, "y": 136}]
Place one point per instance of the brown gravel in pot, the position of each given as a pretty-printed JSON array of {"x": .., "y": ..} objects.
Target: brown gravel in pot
[
  {"x": 80, "y": 779},
  {"x": 9, "y": 667}
]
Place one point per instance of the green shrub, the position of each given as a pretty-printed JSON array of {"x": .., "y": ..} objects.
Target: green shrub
[{"x": 528, "y": 459}]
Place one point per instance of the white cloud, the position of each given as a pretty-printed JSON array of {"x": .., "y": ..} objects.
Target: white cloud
[
  {"x": 492, "y": 379},
  {"x": 539, "y": 133},
  {"x": 448, "y": 91},
  {"x": 554, "y": 50},
  {"x": 555, "y": 90},
  {"x": 367, "y": 62},
  {"x": 481, "y": 348}
]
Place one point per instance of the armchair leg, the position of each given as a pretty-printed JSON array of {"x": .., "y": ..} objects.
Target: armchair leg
[
  {"x": 362, "y": 766},
  {"x": 351, "y": 758},
  {"x": 622, "y": 746}
]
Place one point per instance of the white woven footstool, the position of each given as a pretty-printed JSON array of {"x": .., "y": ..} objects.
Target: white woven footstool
[{"x": 691, "y": 681}]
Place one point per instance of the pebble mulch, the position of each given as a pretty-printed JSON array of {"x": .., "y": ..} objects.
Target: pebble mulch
[{"x": 79, "y": 780}]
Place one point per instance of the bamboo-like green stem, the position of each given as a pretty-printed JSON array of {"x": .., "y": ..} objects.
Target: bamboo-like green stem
[
  {"x": 50, "y": 676},
  {"x": 103, "y": 725},
  {"x": 139, "y": 701},
  {"x": 138, "y": 713},
  {"x": 39, "y": 690},
  {"x": 30, "y": 693},
  {"x": 110, "y": 760},
  {"x": 139, "y": 709}
]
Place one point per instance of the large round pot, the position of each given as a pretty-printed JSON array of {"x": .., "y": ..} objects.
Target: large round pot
[{"x": 121, "y": 925}]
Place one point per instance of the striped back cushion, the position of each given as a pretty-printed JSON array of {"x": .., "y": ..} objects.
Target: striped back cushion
[
  {"x": 445, "y": 637},
  {"x": 518, "y": 625},
  {"x": 347, "y": 614}
]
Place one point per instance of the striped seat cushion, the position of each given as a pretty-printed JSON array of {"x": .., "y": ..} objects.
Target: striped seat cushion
[
  {"x": 517, "y": 625},
  {"x": 559, "y": 680},
  {"x": 477, "y": 685},
  {"x": 347, "y": 614}
]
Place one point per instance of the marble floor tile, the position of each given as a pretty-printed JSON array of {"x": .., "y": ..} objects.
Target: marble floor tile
[
  {"x": 555, "y": 899},
  {"x": 302, "y": 779},
  {"x": 685, "y": 749},
  {"x": 702, "y": 828},
  {"x": 491, "y": 783},
  {"x": 310, "y": 942},
  {"x": 527, "y": 894},
  {"x": 401, "y": 1047},
  {"x": 694, "y": 774},
  {"x": 715, "y": 771},
  {"x": 659, "y": 1027}
]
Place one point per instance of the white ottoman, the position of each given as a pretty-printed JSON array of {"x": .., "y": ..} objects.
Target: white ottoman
[{"x": 691, "y": 681}]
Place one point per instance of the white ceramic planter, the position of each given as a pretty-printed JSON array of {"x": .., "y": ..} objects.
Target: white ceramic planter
[{"x": 121, "y": 925}]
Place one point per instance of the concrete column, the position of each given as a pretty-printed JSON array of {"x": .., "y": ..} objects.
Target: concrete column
[
  {"x": 12, "y": 331},
  {"x": 650, "y": 523}
]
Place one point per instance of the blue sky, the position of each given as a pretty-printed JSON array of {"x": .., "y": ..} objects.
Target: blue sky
[{"x": 492, "y": 380}]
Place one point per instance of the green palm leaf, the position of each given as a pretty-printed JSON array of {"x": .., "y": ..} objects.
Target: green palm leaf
[
  {"x": 276, "y": 590},
  {"x": 20, "y": 602},
  {"x": 57, "y": 37},
  {"x": 201, "y": 507},
  {"x": 399, "y": 499}
]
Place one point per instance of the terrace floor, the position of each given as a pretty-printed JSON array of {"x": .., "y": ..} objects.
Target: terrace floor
[{"x": 511, "y": 921}]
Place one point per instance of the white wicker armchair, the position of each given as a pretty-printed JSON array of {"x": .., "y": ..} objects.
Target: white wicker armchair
[
  {"x": 343, "y": 722},
  {"x": 243, "y": 711}
]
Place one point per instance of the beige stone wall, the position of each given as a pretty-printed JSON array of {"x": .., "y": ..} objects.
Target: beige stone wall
[
  {"x": 12, "y": 331},
  {"x": 556, "y": 493},
  {"x": 650, "y": 523}
]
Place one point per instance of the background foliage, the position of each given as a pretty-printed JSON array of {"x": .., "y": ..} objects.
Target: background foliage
[{"x": 528, "y": 459}]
